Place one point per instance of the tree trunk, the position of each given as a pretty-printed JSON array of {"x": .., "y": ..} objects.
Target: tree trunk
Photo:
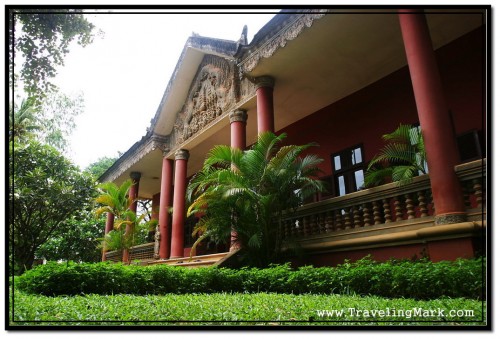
[{"x": 24, "y": 261}]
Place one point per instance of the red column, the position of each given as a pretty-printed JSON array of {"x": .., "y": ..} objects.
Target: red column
[
  {"x": 265, "y": 109},
  {"x": 179, "y": 215},
  {"x": 133, "y": 194},
  {"x": 437, "y": 128},
  {"x": 165, "y": 204},
  {"x": 238, "y": 120},
  {"x": 110, "y": 219}
]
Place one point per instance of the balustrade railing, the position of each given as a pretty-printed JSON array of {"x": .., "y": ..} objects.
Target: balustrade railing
[
  {"x": 385, "y": 204},
  {"x": 472, "y": 176},
  {"x": 139, "y": 252}
]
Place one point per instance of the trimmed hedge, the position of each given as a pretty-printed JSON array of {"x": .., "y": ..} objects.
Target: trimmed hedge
[{"x": 406, "y": 279}]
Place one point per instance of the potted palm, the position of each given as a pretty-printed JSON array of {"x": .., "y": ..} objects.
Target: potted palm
[
  {"x": 127, "y": 224},
  {"x": 247, "y": 192},
  {"x": 401, "y": 159}
]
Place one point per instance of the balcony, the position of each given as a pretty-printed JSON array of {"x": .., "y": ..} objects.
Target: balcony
[
  {"x": 387, "y": 214},
  {"x": 382, "y": 216}
]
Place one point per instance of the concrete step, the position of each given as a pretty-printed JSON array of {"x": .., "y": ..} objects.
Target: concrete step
[
  {"x": 195, "y": 261},
  {"x": 193, "y": 264}
]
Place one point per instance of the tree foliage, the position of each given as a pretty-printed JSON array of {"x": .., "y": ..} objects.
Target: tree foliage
[
  {"x": 79, "y": 242},
  {"x": 47, "y": 195},
  {"x": 100, "y": 166},
  {"x": 23, "y": 121},
  {"x": 249, "y": 192},
  {"x": 128, "y": 225},
  {"x": 401, "y": 159},
  {"x": 43, "y": 37},
  {"x": 50, "y": 122},
  {"x": 57, "y": 119}
]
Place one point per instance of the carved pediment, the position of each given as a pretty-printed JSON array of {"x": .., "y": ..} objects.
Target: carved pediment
[{"x": 212, "y": 92}]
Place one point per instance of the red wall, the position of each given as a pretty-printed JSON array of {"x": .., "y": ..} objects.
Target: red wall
[
  {"x": 366, "y": 115},
  {"x": 449, "y": 249},
  {"x": 363, "y": 117}
]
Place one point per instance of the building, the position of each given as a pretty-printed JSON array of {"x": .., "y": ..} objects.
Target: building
[{"x": 341, "y": 78}]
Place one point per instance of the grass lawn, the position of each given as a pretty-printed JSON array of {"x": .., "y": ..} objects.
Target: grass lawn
[{"x": 241, "y": 309}]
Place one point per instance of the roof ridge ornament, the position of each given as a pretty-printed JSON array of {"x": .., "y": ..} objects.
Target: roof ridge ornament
[{"x": 243, "y": 38}]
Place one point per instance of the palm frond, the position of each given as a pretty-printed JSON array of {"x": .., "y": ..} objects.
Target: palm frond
[
  {"x": 220, "y": 155},
  {"x": 401, "y": 159}
]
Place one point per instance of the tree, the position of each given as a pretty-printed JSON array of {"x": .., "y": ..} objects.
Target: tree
[
  {"x": 53, "y": 120},
  {"x": 100, "y": 166},
  {"x": 46, "y": 190},
  {"x": 401, "y": 159},
  {"x": 250, "y": 192},
  {"x": 22, "y": 120},
  {"x": 57, "y": 118},
  {"x": 78, "y": 243},
  {"x": 127, "y": 227},
  {"x": 43, "y": 37}
]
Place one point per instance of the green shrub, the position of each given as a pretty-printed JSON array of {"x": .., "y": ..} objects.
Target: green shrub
[{"x": 419, "y": 280}]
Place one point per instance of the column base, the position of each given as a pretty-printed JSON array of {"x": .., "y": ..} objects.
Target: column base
[
  {"x": 234, "y": 247},
  {"x": 450, "y": 218}
]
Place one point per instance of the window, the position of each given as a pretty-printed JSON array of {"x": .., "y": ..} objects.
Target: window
[
  {"x": 469, "y": 146},
  {"x": 348, "y": 170}
]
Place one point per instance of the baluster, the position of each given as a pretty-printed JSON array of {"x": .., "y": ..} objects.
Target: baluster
[
  {"x": 366, "y": 215},
  {"x": 329, "y": 227},
  {"x": 306, "y": 227},
  {"x": 387, "y": 211},
  {"x": 376, "y": 213},
  {"x": 410, "y": 207},
  {"x": 422, "y": 204},
  {"x": 357, "y": 217},
  {"x": 432, "y": 203},
  {"x": 296, "y": 228},
  {"x": 398, "y": 209},
  {"x": 321, "y": 223},
  {"x": 313, "y": 224},
  {"x": 347, "y": 219},
  {"x": 286, "y": 228},
  {"x": 339, "y": 225},
  {"x": 478, "y": 191},
  {"x": 466, "y": 193}
]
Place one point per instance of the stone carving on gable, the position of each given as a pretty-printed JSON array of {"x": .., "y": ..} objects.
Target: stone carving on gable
[{"x": 212, "y": 92}]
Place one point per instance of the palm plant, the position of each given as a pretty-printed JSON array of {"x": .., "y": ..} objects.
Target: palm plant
[
  {"x": 249, "y": 192},
  {"x": 127, "y": 224},
  {"x": 401, "y": 159},
  {"x": 22, "y": 120}
]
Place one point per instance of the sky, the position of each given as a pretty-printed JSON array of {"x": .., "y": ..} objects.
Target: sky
[{"x": 125, "y": 71}]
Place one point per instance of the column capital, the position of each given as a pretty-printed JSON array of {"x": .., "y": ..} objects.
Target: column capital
[
  {"x": 135, "y": 175},
  {"x": 238, "y": 115},
  {"x": 264, "y": 81},
  {"x": 182, "y": 154}
]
